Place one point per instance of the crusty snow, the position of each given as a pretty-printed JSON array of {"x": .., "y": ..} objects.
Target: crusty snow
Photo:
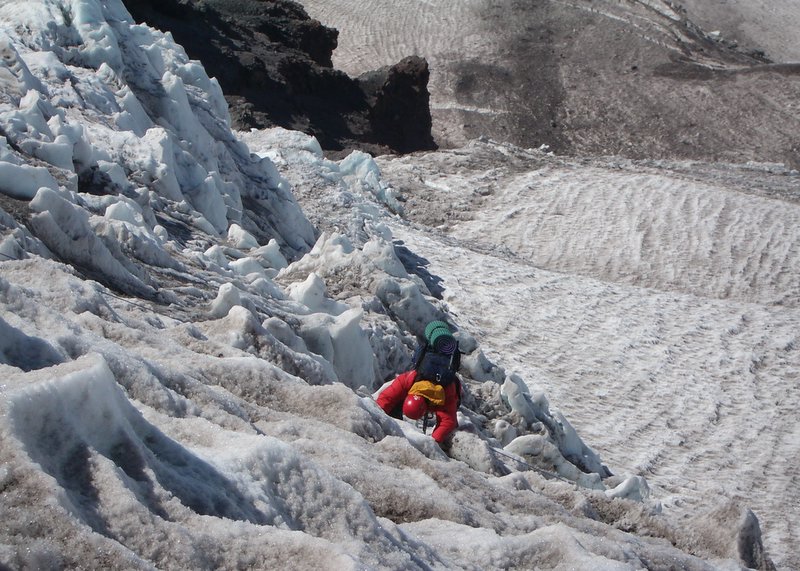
[
  {"x": 659, "y": 312},
  {"x": 194, "y": 322}
]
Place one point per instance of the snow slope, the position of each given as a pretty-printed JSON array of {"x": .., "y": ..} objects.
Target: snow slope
[
  {"x": 660, "y": 312},
  {"x": 194, "y": 323},
  {"x": 770, "y": 26},
  {"x": 633, "y": 78}
]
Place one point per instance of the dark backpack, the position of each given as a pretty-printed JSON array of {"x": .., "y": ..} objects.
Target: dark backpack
[{"x": 438, "y": 368}]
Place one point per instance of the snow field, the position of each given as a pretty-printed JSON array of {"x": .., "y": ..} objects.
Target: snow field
[
  {"x": 647, "y": 229},
  {"x": 659, "y": 314}
]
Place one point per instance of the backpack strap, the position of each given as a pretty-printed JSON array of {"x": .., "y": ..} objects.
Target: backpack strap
[{"x": 455, "y": 359}]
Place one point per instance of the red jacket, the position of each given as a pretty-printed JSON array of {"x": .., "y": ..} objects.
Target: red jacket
[{"x": 446, "y": 419}]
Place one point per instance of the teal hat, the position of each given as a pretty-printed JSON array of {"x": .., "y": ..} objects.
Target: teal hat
[{"x": 439, "y": 336}]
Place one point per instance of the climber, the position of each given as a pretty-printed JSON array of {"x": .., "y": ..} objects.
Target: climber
[{"x": 432, "y": 386}]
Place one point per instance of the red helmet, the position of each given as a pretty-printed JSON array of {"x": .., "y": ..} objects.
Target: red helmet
[{"x": 415, "y": 407}]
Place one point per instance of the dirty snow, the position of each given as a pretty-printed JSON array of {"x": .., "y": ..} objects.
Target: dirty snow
[{"x": 194, "y": 322}]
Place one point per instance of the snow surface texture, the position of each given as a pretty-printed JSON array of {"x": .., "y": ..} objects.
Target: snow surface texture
[
  {"x": 188, "y": 358},
  {"x": 604, "y": 77},
  {"x": 766, "y": 24},
  {"x": 602, "y": 280}
]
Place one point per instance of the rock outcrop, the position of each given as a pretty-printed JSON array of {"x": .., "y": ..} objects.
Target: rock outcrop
[
  {"x": 273, "y": 63},
  {"x": 400, "y": 104}
]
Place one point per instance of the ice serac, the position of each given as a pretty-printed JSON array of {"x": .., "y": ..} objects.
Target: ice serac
[
  {"x": 735, "y": 532},
  {"x": 274, "y": 64},
  {"x": 153, "y": 132}
]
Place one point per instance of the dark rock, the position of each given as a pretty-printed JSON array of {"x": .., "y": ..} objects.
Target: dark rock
[
  {"x": 400, "y": 104},
  {"x": 273, "y": 63},
  {"x": 94, "y": 181}
]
